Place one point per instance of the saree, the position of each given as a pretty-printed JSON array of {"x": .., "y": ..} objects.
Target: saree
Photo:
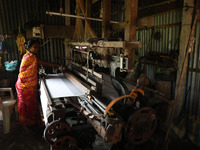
[{"x": 28, "y": 106}]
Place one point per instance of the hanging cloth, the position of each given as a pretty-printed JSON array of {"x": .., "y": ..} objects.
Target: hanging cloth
[{"x": 20, "y": 41}]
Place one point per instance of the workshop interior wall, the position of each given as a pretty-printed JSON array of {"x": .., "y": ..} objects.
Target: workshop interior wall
[
  {"x": 23, "y": 13},
  {"x": 167, "y": 39},
  {"x": 192, "y": 92},
  {"x": 26, "y": 14}
]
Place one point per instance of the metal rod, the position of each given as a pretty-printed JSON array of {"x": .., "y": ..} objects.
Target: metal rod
[
  {"x": 99, "y": 106},
  {"x": 77, "y": 106},
  {"x": 76, "y": 16},
  {"x": 99, "y": 102},
  {"x": 93, "y": 109},
  {"x": 89, "y": 104}
]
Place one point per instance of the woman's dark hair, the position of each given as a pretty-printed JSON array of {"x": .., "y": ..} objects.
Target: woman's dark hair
[{"x": 30, "y": 43}]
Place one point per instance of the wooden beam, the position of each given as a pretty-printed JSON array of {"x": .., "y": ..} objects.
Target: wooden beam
[
  {"x": 67, "y": 23},
  {"x": 94, "y": 1},
  {"x": 159, "y": 27},
  {"x": 130, "y": 29},
  {"x": 156, "y": 4},
  {"x": 197, "y": 70},
  {"x": 88, "y": 8},
  {"x": 106, "y": 5},
  {"x": 109, "y": 44},
  {"x": 145, "y": 21},
  {"x": 141, "y": 22},
  {"x": 88, "y": 4},
  {"x": 67, "y": 11},
  {"x": 158, "y": 9},
  {"x": 53, "y": 31},
  {"x": 184, "y": 37},
  {"x": 118, "y": 26}
]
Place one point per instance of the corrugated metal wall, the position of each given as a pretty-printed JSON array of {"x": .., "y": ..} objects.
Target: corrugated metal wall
[
  {"x": 25, "y": 14},
  {"x": 168, "y": 41},
  {"x": 169, "y": 38},
  {"x": 192, "y": 99}
]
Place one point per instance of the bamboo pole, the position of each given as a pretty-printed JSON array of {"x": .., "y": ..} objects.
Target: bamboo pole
[{"x": 76, "y": 16}]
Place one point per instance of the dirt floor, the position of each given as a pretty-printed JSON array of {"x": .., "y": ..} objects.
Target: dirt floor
[{"x": 17, "y": 140}]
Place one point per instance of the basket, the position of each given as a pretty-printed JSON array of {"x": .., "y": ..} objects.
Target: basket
[{"x": 11, "y": 66}]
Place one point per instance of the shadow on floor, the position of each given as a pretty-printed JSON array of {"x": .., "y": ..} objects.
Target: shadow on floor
[{"x": 17, "y": 140}]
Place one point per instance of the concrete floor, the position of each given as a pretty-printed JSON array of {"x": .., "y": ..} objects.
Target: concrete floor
[{"x": 17, "y": 140}]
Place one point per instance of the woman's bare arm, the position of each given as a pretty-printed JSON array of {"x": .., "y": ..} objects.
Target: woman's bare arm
[{"x": 45, "y": 63}]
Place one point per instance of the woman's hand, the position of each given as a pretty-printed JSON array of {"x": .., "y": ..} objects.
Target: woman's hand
[{"x": 62, "y": 68}]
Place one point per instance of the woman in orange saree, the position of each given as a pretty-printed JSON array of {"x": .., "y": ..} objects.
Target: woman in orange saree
[{"x": 28, "y": 107}]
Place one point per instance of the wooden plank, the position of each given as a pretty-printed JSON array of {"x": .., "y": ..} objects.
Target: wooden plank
[
  {"x": 67, "y": 11},
  {"x": 55, "y": 31},
  {"x": 155, "y": 4},
  {"x": 184, "y": 37},
  {"x": 80, "y": 44},
  {"x": 159, "y": 27},
  {"x": 130, "y": 29},
  {"x": 187, "y": 35},
  {"x": 94, "y": 1},
  {"x": 106, "y": 4},
  {"x": 141, "y": 22},
  {"x": 89, "y": 70},
  {"x": 194, "y": 70},
  {"x": 110, "y": 44},
  {"x": 67, "y": 23},
  {"x": 120, "y": 44},
  {"x": 118, "y": 26},
  {"x": 137, "y": 44},
  {"x": 157, "y": 9},
  {"x": 145, "y": 21},
  {"x": 88, "y": 4}
]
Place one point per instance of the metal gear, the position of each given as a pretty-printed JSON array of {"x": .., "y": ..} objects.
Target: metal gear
[
  {"x": 65, "y": 142},
  {"x": 141, "y": 125},
  {"x": 55, "y": 130}
]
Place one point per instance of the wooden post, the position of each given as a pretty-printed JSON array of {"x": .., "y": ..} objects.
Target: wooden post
[
  {"x": 106, "y": 5},
  {"x": 87, "y": 14},
  {"x": 184, "y": 37},
  {"x": 67, "y": 22},
  {"x": 130, "y": 29}
]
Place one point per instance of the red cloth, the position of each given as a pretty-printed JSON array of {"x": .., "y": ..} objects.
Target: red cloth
[{"x": 28, "y": 107}]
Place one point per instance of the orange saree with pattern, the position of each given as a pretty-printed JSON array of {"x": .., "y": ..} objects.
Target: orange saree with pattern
[{"x": 28, "y": 107}]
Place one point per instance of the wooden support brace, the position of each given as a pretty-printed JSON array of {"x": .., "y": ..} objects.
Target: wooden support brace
[
  {"x": 130, "y": 29},
  {"x": 109, "y": 44},
  {"x": 106, "y": 18}
]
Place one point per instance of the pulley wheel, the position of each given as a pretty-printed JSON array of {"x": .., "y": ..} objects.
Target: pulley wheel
[
  {"x": 141, "y": 125},
  {"x": 65, "y": 143},
  {"x": 55, "y": 130}
]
